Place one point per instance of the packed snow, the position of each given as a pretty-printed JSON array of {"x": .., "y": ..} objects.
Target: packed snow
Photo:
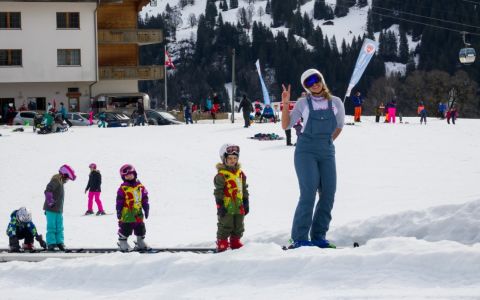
[{"x": 407, "y": 193}]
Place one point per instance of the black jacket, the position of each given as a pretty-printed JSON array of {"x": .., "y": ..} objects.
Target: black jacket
[
  {"x": 246, "y": 105},
  {"x": 94, "y": 181}
]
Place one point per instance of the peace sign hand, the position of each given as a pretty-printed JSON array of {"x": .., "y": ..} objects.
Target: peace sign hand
[{"x": 286, "y": 95}]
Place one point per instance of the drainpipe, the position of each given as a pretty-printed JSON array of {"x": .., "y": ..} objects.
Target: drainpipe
[{"x": 96, "y": 51}]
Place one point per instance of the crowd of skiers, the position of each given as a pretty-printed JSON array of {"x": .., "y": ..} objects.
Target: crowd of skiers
[{"x": 132, "y": 207}]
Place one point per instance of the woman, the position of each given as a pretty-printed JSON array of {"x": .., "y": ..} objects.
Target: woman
[{"x": 323, "y": 116}]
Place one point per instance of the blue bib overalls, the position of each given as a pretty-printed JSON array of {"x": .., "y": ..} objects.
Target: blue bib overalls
[{"x": 316, "y": 171}]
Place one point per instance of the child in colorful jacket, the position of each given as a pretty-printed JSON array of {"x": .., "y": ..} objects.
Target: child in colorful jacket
[
  {"x": 53, "y": 207},
  {"x": 94, "y": 189},
  {"x": 22, "y": 227},
  {"x": 132, "y": 198},
  {"x": 231, "y": 197}
]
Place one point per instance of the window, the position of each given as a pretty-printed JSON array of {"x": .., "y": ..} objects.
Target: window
[
  {"x": 68, "y": 57},
  {"x": 10, "y": 20},
  {"x": 68, "y": 20},
  {"x": 9, "y": 57}
]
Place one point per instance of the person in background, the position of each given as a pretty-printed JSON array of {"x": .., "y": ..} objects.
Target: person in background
[
  {"x": 102, "y": 120},
  {"x": 452, "y": 114},
  {"x": 140, "y": 113},
  {"x": 442, "y": 107},
  {"x": 64, "y": 112},
  {"x": 357, "y": 102},
  {"x": 422, "y": 112},
  {"x": 392, "y": 111},
  {"x": 216, "y": 102},
  {"x": 90, "y": 117},
  {"x": 188, "y": 113},
  {"x": 246, "y": 107},
  {"x": 268, "y": 113},
  {"x": 379, "y": 111},
  {"x": 94, "y": 188},
  {"x": 21, "y": 227}
]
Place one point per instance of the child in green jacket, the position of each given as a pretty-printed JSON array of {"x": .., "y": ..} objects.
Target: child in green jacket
[{"x": 231, "y": 197}]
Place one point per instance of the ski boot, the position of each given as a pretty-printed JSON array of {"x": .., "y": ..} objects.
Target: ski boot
[
  {"x": 51, "y": 247},
  {"x": 28, "y": 247},
  {"x": 298, "y": 244},
  {"x": 235, "y": 242},
  {"x": 140, "y": 244},
  {"x": 14, "y": 249},
  {"x": 100, "y": 213},
  {"x": 322, "y": 243},
  {"x": 123, "y": 245},
  {"x": 62, "y": 247},
  {"x": 222, "y": 245},
  {"x": 89, "y": 212}
]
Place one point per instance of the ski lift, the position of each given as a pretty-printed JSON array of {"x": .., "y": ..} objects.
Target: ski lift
[{"x": 466, "y": 55}]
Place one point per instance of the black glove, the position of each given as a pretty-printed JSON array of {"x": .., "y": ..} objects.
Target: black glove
[
  {"x": 40, "y": 240},
  {"x": 146, "y": 212},
  {"x": 246, "y": 206},
  {"x": 14, "y": 244},
  {"x": 221, "y": 210}
]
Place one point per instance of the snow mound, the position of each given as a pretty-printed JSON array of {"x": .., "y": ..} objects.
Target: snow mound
[{"x": 459, "y": 223}]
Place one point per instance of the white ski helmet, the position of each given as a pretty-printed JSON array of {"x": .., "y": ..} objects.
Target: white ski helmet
[
  {"x": 309, "y": 73},
  {"x": 24, "y": 215},
  {"x": 228, "y": 149}
]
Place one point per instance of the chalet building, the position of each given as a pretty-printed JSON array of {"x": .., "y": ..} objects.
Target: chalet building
[{"x": 75, "y": 52}]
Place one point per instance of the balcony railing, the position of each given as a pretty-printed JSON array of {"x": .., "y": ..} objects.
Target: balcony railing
[
  {"x": 130, "y": 36},
  {"x": 135, "y": 73}
]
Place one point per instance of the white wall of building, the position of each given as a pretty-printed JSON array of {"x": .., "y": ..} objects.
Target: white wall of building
[
  {"x": 50, "y": 91},
  {"x": 39, "y": 40}
]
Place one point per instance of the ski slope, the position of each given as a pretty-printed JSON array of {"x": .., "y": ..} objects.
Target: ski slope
[{"x": 407, "y": 193}]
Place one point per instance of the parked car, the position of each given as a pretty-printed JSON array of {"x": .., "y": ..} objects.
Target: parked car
[
  {"x": 158, "y": 117},
  {"x": 24, "y": 117},
  {"x": 116, "y": 119},
  {"x": 80, "y": 119}
]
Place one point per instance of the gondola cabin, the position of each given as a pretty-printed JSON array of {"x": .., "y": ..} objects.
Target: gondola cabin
[{"x": 467, "y": 56}]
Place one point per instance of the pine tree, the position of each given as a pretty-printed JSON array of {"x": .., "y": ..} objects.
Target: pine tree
[
  {"x": 233, "y": 4},
  {"x": 362, "y": 3},
  {"x": 224, "y": 5},
  {"x": 341, "y": 9},
  {"x": 268, "y": 8},
  {"x": 319, "y": 10},
  {"x": 403, "y": 51},
  {"x": 370, "y": 29}
]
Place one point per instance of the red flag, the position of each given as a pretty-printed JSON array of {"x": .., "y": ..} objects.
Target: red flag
[{"x": 168, "y": 60}]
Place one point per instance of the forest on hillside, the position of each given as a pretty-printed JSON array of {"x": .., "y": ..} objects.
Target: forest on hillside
[{"x": 433, "y": 72}]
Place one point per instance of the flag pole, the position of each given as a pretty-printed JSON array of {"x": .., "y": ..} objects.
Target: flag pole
[{"x": 165, "y": 66}]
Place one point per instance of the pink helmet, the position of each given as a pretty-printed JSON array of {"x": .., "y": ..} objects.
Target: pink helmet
[
  {"x": 93, "y": 165},
  {"x": 127, "y": 169},
  {"x": 66, "y": 170}
]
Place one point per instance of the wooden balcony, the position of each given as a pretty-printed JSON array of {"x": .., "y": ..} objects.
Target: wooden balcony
[
  {"x": 130, "y": 36},
  {"x": 129, "y": 73}
]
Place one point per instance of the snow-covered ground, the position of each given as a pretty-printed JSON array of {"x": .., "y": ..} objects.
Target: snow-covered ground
[{"x": 407, "y": 193}]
